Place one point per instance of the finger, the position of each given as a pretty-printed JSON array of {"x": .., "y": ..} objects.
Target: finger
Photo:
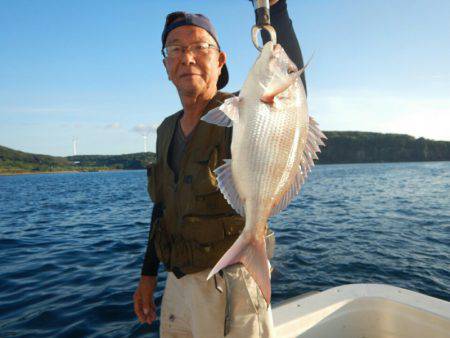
[
  {"x": 138, "y": 310},
  {"x": 151, "y": 317},
  {"x": 146, "y": 306},
  {"x": 153, "y": 309},
  {"x": 139, "y": 313}
]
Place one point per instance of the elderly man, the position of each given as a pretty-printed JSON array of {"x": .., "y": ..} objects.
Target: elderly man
[{"x": 192, "y": 224}]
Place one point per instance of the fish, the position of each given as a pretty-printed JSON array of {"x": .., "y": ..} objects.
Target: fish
[{"x": 273, "y": 148}]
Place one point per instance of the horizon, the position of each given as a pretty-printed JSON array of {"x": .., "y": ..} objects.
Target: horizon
[
  {"x": 93, "y": 70},
  {"x": 153, "y": 152}
]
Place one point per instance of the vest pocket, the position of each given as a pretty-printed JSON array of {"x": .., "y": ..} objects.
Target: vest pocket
[
  {"x": 200, "y": 242},
  {"x": 206, "y": 230},
  {"x": 205, "y": 181},
  {"x": 154, "y": 184},
  {"x": 181, "y": 254},
  {"x": 233, "y": 225},
  {"x": 162, "y": 242},
  {"x": 211, "y": 237},
  {"x": 203, "y": 230},
  {"x": 207, "y": 196}
]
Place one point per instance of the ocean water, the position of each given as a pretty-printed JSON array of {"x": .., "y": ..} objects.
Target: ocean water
[{"x": 72, "y": 244}]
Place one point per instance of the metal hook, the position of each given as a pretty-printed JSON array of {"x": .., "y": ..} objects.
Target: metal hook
[{"x": 268, "y": 28}]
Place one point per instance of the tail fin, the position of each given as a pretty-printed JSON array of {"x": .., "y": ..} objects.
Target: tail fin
[{"x": 252, "y": 253}]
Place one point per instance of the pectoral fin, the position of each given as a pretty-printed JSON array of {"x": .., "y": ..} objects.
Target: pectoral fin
[
  {"x": 225, "y": 115},
  {"x": 227, "y": 187},
  {"x": 269, "y": 96}
]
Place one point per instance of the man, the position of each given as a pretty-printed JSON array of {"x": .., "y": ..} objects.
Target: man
[{"x": 192, "y": 224}]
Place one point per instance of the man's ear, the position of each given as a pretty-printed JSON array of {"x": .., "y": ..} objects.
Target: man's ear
[
  {"x": 165, "y": 66},
  {"x": 222, "y": 59}
]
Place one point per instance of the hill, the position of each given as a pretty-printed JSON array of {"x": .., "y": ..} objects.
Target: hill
[
  {"x": 18, "y": 161},
  {"x": 126, "y": 161},
  {"x": 368, "y": 147},
  {"x": 341, "y": 147},
  {"x": 14, "y": 161}
]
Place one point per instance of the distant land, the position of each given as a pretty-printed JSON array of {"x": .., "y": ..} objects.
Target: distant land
[{"x": 341, "y": 147}]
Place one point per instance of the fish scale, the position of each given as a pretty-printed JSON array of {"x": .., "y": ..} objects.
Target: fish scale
[{"x": 273, "y": 146}]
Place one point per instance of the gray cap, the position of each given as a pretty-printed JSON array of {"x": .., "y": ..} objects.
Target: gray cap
[{"x": 178, "y": 19}]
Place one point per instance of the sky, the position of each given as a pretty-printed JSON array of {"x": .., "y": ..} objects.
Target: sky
[{"x": 92, "y": 69}]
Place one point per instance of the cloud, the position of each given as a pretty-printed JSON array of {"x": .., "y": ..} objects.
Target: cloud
[
  {"x": 440, "y": 80},
  {"x": 39, "y": 110},
  {"x": 382, "y": 112},
  {"x": 112, "y": 126},
  {"x": 145, "y": 129},
  {"x": 77, "y": 125}
]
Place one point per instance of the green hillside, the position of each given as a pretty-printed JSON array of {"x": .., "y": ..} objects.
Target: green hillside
[
  {"x": 14, "y": 161},
  {"x": 18, "y": 161},
  {"x": 367, "y": 147},
  {"x": 341, "y": 147},
  {"x": 127, "y": 161}
]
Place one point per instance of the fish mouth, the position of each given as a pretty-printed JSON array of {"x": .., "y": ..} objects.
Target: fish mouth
[
  {"x": 282, "y": 60},
  {"x": 277, "y": 51}
]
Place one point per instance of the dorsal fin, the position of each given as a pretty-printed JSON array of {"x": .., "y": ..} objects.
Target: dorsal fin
[{"x": 306, "y": 163}]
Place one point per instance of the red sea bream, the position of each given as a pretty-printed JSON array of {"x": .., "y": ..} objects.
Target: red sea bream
[{"x": 273, "y": 146}]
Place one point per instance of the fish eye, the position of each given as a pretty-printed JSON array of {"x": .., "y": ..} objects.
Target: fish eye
[{"x": 291, "y": 70}]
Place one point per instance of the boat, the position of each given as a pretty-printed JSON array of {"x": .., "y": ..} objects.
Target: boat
[{"x": 362, "y": 311}]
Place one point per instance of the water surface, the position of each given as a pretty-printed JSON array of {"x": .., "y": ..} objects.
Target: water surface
[{"x": 72, "y": 244}]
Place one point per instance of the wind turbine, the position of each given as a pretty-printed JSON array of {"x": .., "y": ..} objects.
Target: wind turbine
[
  {"x": 144, "y": 130},
  {"x": 74, "y": 145},
  {"x": 145, "y": 142}
]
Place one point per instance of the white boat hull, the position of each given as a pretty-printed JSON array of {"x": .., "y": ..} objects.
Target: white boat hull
[{"x": 363, "y": 311}]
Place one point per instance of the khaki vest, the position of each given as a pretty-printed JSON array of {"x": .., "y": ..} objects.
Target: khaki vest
[{"x": 198, "y": 225}]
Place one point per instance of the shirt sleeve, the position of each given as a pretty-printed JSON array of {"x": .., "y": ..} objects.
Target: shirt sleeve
[
  {"x": 286, "y": 37},
  {"x": 151, "y": 261}
]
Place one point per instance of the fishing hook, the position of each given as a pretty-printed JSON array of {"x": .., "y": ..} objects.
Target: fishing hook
[{"x": 262, "y": 15}]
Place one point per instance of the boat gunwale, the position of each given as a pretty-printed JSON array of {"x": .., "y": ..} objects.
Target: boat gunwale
[{"x": 352, "y": 292}]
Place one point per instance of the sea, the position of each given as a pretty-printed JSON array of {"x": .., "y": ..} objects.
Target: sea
[{"x": 72, "y": 244}]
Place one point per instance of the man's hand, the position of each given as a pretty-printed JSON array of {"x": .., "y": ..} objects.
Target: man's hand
[
  {"x": 144, "y": 305},
  {"x": 271, "y": 2}
]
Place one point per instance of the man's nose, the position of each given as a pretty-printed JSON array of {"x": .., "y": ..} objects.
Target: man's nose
[{"x": 187, "y": 57}]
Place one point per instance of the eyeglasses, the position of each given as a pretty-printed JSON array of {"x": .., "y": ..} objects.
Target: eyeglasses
[{"x": 199, "y": 48}]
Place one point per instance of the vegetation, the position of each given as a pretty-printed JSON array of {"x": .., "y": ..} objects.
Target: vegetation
[
  {"x": 15, "y": 162},
  {"x": 341, "y": 147},
  {"x": 366, "y": 147},
  {"x": 127, "y": 161}
]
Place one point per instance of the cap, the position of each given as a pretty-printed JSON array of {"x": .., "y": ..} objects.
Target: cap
[{"x": 178, "y": 19}]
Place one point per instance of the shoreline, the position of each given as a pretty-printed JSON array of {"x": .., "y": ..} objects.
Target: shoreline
[
  {"x": 102, "y": 170},
  {"x": 59, "y": 172}
]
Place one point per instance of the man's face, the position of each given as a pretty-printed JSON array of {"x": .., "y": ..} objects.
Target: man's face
[{"x": 193, "y": 74}]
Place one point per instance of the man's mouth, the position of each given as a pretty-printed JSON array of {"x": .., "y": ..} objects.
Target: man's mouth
[{"x": 189, "y": 74}]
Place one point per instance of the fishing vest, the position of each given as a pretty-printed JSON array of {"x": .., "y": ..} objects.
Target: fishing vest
[{"x": 197, "y": 225}]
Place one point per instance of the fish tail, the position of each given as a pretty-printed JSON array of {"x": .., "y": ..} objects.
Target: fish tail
[{"x": 251, "y": 252}]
